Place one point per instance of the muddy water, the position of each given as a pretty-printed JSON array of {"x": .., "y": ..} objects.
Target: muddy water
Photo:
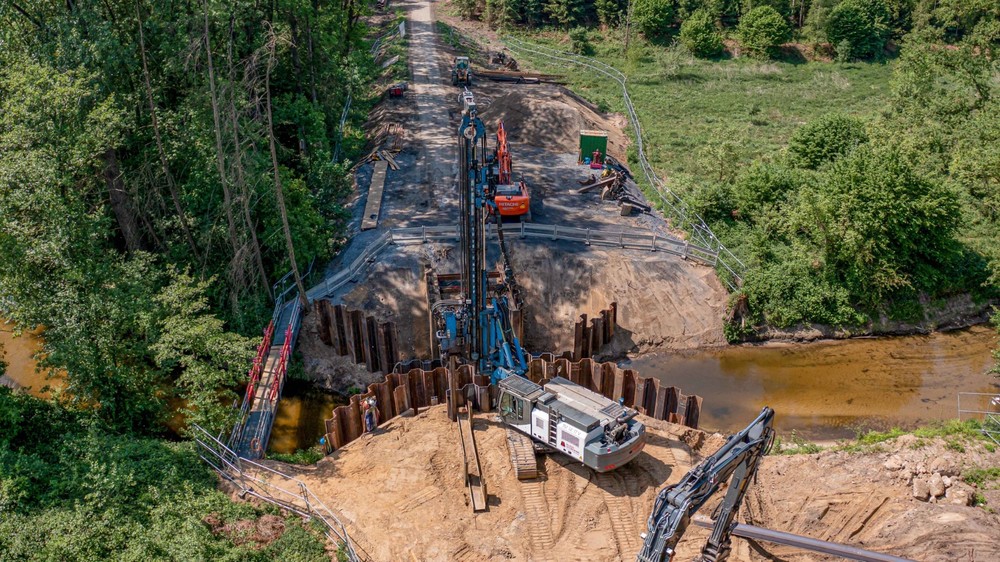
[
  {"x": 18, "y": 354},
  {"x": 299, "y": 422},
  {"x": 830, "y": 389}
]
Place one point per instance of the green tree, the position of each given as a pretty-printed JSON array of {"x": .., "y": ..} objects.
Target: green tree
[
  {"x": 699, "y": 35},
  {"x": 206, "y": 361},
  {"x": 826, "y": 139},
  {"x": 610, "y": 12},
  {"x": 762, "y": 30},
  {"x": 654, "y": 18},
  {"x": 880, "y": 223},
  {"x": 859, "y": 29},
  {"x": 565, "y": 13}
]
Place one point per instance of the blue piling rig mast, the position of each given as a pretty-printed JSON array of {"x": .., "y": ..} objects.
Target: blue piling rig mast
[{"x": 478, "y": 328}]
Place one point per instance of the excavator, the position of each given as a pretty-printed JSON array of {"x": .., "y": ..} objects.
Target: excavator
[
  {"x": 476, "y": 329},
  {"x": 739, "y": 458},
  {"x": 511, "y": 198}
]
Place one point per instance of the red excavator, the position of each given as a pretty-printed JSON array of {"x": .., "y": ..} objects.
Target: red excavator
[{"x": 511, "y": 198}]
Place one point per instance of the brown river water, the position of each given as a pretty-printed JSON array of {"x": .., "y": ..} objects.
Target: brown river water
[
  {"x": 832, "y": 389},
  {"x": 821, "y": 390}
]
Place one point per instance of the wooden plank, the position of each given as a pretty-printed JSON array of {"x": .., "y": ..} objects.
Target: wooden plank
[{"x": 374, "y": 205}]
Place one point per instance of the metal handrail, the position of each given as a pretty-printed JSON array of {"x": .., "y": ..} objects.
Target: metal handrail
[
  {"x": 700, "y": 230},
  {"x": 633, "y": 239},
  {"x": 230, "y": 466}
]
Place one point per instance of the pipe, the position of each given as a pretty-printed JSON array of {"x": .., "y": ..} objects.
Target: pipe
[{"x": 805, "y": 543}]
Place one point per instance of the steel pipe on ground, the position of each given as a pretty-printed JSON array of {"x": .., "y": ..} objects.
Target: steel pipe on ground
[{"x": 805, "y": 543}]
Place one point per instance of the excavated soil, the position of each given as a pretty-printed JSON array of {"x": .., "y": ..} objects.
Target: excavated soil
[{"x": 401, "y": 494}]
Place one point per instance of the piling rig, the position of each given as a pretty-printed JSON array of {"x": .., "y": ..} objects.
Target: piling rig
[{"x": 476, "y": 329}]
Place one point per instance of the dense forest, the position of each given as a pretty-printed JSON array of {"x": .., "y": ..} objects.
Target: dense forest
[
  {"x": 877, "y": 205},
  {"x": 162, "y": 163}
]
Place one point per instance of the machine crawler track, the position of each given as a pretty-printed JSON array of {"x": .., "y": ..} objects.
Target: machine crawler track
[{"x": 522, "y": 455}]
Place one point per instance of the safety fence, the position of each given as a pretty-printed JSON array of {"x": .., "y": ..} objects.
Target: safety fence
[
  {"x": 400, "y": 393},
  {"x": 674, "y": 205},
  {"x": 274, "y": 487},
  {"x": 622, "y": 238},
  {"x": 982, "y": 407}
]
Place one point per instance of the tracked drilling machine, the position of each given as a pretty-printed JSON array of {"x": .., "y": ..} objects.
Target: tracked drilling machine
[{"x": 476, "y": 329}]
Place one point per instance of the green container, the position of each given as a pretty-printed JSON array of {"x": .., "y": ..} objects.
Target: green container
[{"x": 591, "y": 141}]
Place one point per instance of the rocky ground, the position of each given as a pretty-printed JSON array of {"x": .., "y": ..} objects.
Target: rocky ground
[{"x": 401, "y": 494}]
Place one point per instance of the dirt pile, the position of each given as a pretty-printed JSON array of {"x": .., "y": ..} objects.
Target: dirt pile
[
  {"x": 400, "y": 493},
  {"x": 663, "y": 302},
  {"x": 879, "y": 500},
  {"x": 549, "y": 116}
]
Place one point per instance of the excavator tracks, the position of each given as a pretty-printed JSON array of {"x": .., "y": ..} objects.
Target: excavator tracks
[
  {"x": 620, "y": 512},
  {"x": 522, "y": 455},
  {"x": 536, "y": 516}
]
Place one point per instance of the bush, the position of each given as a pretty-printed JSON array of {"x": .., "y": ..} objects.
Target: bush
[
  {"x": 699, "y": 35},
  {"x": 761, "y": 187},
  {"x": 581, "y": 44},
  {"x": 859, "y": 29},
  {"x": 882, "y": 223},
  {"x": 826, "y": 139},
  {"x": 653, "y": 17},
  {"x": 762, "y": 30}
]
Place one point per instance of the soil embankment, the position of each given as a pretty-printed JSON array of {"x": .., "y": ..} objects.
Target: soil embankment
[{"x": 400, "y": 492}]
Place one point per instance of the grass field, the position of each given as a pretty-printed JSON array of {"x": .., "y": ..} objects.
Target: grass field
[{"x": 702, "y": 120}]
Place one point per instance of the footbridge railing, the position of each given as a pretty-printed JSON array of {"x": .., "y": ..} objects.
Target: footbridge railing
[
  {"x": 274, "y": 487},
  {"x": 675, "y": 206},
  {"x": 632, "y": 239}
]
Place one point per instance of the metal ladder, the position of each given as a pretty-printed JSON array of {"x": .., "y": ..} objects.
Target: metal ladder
[{"x": 554, "y": 418}]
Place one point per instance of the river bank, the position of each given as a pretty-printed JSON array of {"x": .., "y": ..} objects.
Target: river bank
[{"x": 956, "y": 313}]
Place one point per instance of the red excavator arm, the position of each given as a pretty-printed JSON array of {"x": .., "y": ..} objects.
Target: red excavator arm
[{"x": 503, "y": 157}]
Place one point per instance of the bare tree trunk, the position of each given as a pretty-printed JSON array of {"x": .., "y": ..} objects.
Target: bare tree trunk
[
  {"x": 279, "y": 195},
  {"x": 121, "y": 204},
  {"x": 312, "y": 58},
  {"x": 236, "y": 264},
  {"x": 219, "y": 160},
  {"x": 240, "y": 176},
  {"x": 171, "y": 187}
]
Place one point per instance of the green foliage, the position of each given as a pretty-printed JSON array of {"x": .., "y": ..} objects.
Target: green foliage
[
  {"x": 580, "y": 42},
  {"x": 69, "y": 491},
  {"x": 859, "y": 28},
  {"x": 699, "y": 35},
  {"x": 564, "y": 13},
  {"x": 761, "y": 189},
  {"x": 879, "y": 222},
  {"x": 980, "y": 477},
  {"x": 610, "y": 12},
  {"x": 301, "y": 456},
  {"x": 654, "y": 18},
  {"x": 796, "y": 445},
  {"x": 206, "y": 361},
  {"x": 826, "y": 139},
  {"x": 762, "y": 30}
]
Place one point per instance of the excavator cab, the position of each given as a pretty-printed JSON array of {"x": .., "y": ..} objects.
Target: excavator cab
[{"x": 460, "y": 72}]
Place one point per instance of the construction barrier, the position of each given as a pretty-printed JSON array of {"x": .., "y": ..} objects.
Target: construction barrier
[
  {"x": 409, "y": 392},
  {"x": 354, "y": 334}
]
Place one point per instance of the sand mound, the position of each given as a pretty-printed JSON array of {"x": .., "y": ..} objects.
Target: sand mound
[
  {"x": 546, "y": 116},
  {"x": 401, "y": 494}
]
